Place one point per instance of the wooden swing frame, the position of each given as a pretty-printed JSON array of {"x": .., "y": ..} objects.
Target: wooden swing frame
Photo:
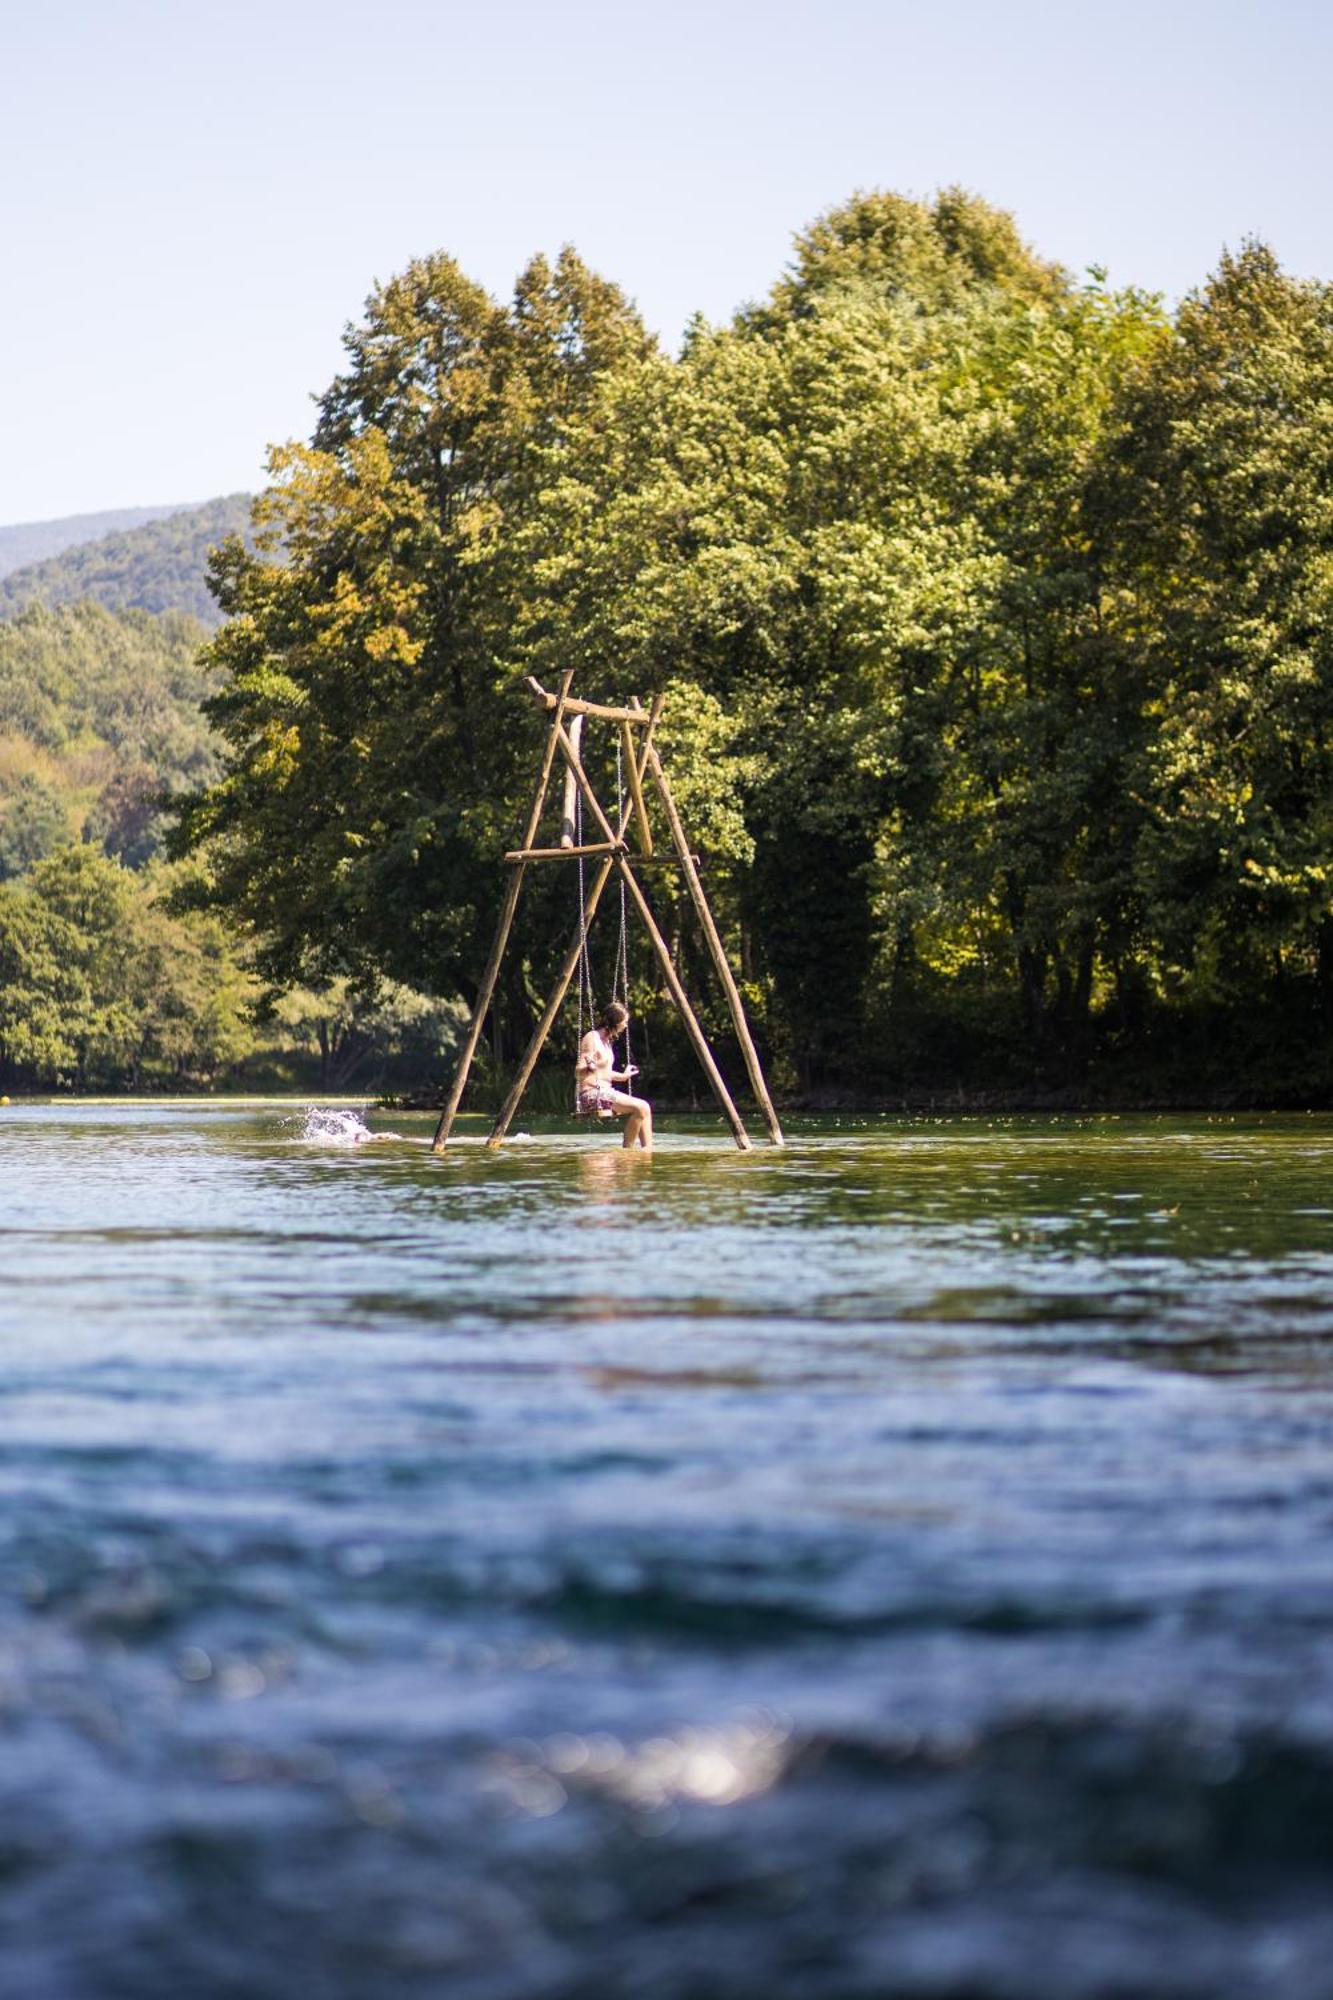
[{"x": 611, "y": 853}]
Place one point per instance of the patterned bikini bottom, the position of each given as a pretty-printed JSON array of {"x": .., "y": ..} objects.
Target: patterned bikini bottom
[{"x": 595, "y": 1100}]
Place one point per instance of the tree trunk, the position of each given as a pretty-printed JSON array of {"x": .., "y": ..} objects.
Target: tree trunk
[
  {"x": 1032, "y": 992},
  {"x": 1324, "y": 969}
]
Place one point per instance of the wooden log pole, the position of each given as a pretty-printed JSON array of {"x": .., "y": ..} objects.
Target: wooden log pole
[
  {"x": 598, "y": 710},
  {"x": 567, "y": 819},
  {"x": 508, "y": 907},
  {"x": 568, "y": 741},
  {"x": 681, "y": 998},
  {"x": 753, "y": 1066},
  {"x": 561, "y": 853},
  {"x": 631, "y": 763}
]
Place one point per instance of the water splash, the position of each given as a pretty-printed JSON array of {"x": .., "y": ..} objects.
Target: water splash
[{"x": 328, "y": 1126}]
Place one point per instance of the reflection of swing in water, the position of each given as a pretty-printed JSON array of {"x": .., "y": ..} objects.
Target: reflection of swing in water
[{"x": 641, "y": 762}]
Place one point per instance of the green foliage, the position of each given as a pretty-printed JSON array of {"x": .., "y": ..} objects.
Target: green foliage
[
  {"x": 105, "y": 984},
  {"x": 159, "y": 565},
  {"x": 33, "y": 823},
  {"x": 991, "y": 609},
  {"x": 931, "y": 255},
  {"x": 45, "y": 1004},
  {"x": 374, "y": 753},
  {"x": 859, "y": 521},
  {"x": 99, "y": 715},
  {"x": 397, "y": 1038},
  {"x": 1219, "y": 503}
]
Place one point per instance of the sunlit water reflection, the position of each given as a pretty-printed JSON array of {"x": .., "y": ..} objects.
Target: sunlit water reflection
[{"x": 899, "y": 1565}]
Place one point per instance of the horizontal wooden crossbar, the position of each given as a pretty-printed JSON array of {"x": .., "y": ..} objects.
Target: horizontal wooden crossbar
[
  {"x": 598, "y": 709},
  {"x": 517, "y": 854},
  {"x": 570, "y": 853}
]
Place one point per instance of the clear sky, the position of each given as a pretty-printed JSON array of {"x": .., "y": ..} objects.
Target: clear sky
[{"x": 198, "y": 197}]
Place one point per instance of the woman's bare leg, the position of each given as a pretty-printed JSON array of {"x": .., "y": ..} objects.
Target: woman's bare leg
[{"x": 638, "y": 1116}]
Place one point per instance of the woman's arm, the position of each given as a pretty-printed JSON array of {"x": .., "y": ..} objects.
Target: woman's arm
[{"x": 588, "y": 1053}]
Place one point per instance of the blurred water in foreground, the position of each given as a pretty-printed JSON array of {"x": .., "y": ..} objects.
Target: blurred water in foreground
[{"x": 902, "y": 1565}]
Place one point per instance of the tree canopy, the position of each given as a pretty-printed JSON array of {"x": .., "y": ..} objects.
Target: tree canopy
[{"x": 991, "y": 605}]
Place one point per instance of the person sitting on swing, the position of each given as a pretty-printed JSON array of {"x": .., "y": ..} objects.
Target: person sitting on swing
[{"x": 595, "y": 1075}]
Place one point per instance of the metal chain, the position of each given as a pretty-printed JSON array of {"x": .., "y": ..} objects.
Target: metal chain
[
  {"x": 622, "y": 949},
  {"x": 620, "y": 965},
  {"x": 585, "y": 967}
]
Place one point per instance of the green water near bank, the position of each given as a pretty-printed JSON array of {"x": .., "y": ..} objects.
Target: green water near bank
[{"x": 896, "y": 1564}]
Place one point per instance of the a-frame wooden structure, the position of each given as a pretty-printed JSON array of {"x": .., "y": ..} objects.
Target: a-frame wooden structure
[{"x": 642, "y": 765}]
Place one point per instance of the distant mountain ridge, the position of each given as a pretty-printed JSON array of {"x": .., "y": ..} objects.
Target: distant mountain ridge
[
  {"x": 157, "y": 565},
  {"x": 27, "y": 542}
]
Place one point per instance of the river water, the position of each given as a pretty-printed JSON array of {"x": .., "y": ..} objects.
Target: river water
[{"x": 899, "y": 1565}]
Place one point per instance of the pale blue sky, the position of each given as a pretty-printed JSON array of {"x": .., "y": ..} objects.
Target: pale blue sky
[{"x": 199, "y": 197}]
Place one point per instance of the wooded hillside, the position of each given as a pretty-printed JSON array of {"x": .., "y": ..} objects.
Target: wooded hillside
[
  {"x": 24, "y": 542},
  {"x": 100, "y": 712},
  {"x": 160, "y": 565},
  {"x": 105, "y": 982}
]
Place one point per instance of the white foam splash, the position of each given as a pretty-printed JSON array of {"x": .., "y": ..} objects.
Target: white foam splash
[{"x": 331, "y": 1127}]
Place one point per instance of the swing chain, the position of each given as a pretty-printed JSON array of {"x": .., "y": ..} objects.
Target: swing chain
[
  {"x": 620, "y": 964},
  {"x": 621, "y": 984},
  {"x": 585, "y": 963}
]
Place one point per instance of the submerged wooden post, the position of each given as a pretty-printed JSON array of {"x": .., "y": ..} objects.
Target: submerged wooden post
[
  {"x": 502, "y": 929},
  {"x": 753, "y": 1066}
]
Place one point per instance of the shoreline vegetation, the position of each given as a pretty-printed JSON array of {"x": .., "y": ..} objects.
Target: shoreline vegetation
[
  {"x": 993, "y": 608},
  {"x": 823, "y": 1109}
]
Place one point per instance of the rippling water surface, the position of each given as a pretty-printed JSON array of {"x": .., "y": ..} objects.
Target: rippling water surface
[{"x": 899, "y": 1565}]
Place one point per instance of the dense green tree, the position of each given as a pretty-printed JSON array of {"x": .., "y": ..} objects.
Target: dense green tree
[
  {"x": 1219, "y": 496},
  {"x": 991, "y": 608},
  {"x": 45, "y": 1003},
  {"x": 94, "y": 900},
  {"x": 857, "y": 517},
  {"x": 400, "y": 1036},
  {"x": 373, "y": 755},
  {"x": 935, "y": 255},
  {"x": 100, "y": 985},
  {"x": 33, "y": 822}
]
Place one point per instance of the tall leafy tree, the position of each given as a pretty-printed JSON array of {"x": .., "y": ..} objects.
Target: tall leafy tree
[
  {"x": 1219, "y": 497},
  {"x": 375, "y": 745},
  {"x": 856, "y": 517}
]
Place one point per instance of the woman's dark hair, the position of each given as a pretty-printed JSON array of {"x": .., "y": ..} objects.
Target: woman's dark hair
[{"x": 614, "y": 1016}]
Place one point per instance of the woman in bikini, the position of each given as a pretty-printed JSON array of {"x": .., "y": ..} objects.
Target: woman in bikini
[{"x": 596, "y": 1075}]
